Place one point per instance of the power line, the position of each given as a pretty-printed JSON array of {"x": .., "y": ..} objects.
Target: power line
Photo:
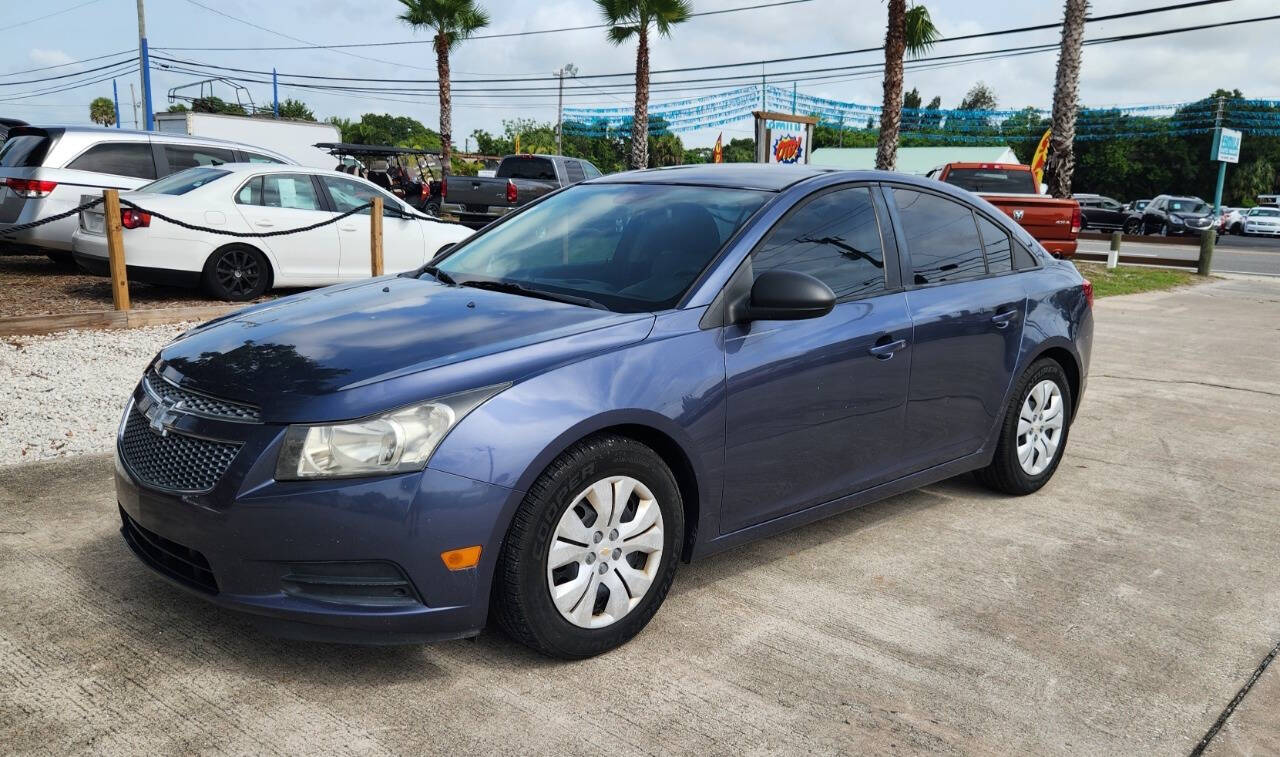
[
  {"x": 310, "y": 46},
  {"x": 50, "y": 15},
  {"x": 64, "y": 65},
  {"x": 65, "y": 76}
]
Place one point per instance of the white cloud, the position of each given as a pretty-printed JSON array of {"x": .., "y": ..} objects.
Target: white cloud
[{"x": 42, "y": 57}]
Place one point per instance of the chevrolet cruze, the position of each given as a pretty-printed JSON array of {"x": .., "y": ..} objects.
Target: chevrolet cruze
[{"x": 539, "y": 425}]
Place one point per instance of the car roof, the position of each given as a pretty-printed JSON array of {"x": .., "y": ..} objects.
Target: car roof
[{"x": 772, "y": 178}]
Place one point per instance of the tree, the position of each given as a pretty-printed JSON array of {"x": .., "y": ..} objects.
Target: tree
[
  {"x": 452, "y": 21},
  {"x": 102, "y": 111},
  {"x": 910, "y": 32},
  {"x": 178, "y": 108},
  {"x": 213, "y": 104},
  {"x": 1061, "y": 161},
  {"x": 979, "y": 97},
  {"x": 634, "y": 18},
  {"x": 296, "y": 109}
]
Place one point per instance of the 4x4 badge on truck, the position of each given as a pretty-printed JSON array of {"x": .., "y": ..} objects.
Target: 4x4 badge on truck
[{"x": 1017, "y": 214}]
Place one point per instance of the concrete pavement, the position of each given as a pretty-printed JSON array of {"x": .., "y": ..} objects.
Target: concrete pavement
[{"x": 1117, "y": 611}]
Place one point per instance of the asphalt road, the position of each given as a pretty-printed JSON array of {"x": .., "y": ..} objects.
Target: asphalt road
[
  {"x": 1232, "y": 254},
  {"x": 1117, "y": 611}
]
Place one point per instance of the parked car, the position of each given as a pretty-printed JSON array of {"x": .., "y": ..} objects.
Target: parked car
[
  {"x": 520, "y": 179},
  {"x": 1172, "y": 214},
  {"x": 1011, "y": 187},
  {"x": 1261, "y": 221},
  {"x": 639, "y": 370},
  {"x": 254, "y": 197},
  {"x": 1099, "y": 212},
  {"x": 46, "y": 171},
  {"x": 9, "y": 123},
  {"x": 1230, "y": 220}
]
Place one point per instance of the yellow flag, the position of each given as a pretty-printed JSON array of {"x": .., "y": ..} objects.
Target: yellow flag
[
  {"x": 1041, "y": 157},
  {"x": 517, "y": 150}
]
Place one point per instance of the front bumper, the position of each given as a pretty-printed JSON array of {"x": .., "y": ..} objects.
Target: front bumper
[
  {"x": 1263, "y": 230},
  {"x": 250, "y": 535}
]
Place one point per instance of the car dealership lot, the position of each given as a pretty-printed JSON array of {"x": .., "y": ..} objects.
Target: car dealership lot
[{"x": 1116, "y": 611}]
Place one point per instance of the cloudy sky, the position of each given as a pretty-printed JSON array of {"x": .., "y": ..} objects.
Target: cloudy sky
[{"x": 1166, "y": 69}]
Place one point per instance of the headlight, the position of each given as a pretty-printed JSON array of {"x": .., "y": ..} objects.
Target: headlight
[
  {"x": 1175, "y": 220},
  {"x": 393, "y": 442}
]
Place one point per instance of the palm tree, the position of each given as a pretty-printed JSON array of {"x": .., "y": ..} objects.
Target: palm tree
[
  {"x": 633, "y": 18},
  {"x": 452, "y": 21},
  {"x": 102, "y": 111},
  {"x": 911, "y": 32},
  {"x": 1062, "y": 159}
]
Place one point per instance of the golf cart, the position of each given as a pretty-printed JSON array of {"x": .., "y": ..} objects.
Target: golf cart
[{"x": 406, "y": 172}]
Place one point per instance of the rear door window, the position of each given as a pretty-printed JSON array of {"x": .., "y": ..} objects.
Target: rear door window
[
  {"x": 118, "y": 159},
  {"x": 540, "y": 169},
  {"x": 941, "y": 237},
  {"x": 995, "y": 244},
  {"x": 293, "y": 191},
  {"x": 181, "y": 157},
  {"x": 835, "y": 238}
]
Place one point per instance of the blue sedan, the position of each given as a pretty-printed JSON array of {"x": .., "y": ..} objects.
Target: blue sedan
[{"x": 632, "y": 372}]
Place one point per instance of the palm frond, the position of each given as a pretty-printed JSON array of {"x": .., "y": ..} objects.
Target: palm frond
[
  {"x": 920, "y": 31},
  {"x": 668, "y": 13},
  {"x": 619, "y": 34}
]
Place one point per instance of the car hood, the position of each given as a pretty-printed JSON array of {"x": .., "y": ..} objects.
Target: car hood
[
  {"x": 351, "y": 350},
  {"x": 1190, "y": 216}
]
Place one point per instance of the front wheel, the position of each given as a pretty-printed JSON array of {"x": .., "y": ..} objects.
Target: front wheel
[
  {"x": 1133, "y": 227},
  {"x": 1034, "y": 433},
  {"x": 592, "y": 550},
  {"x": 237, "y": 273}
]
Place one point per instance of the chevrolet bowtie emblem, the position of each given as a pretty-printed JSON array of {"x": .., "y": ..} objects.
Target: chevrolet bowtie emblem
[{"x": 162, "y": 415}]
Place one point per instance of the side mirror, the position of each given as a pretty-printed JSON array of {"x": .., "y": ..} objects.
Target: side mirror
[{"x": 780, "y": 295}]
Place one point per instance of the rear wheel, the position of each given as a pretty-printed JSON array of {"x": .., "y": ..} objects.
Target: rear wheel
[
  {"x": 1033, "y": 435},
  {"x": 592, "y": 550},
  {"x": 237, "y": 273},
  {"x": 1133, "y": 226}
]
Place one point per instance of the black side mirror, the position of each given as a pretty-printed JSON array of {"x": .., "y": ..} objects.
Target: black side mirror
[{"x": 780, "y": 295}]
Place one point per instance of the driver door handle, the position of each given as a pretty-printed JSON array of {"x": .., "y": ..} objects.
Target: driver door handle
[
  {"x": 884, "y": 350},
  {"x": 1004, "y": 318}
]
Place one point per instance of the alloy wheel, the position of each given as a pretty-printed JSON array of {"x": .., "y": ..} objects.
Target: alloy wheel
[
  {"x": 605, "y": 553},
  {"x": 238, "y": 272},
  {"x": 1040, "y": 425}
]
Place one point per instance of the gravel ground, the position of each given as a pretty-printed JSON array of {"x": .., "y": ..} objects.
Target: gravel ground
[
  {"x": 64, "y": 392},
  {"x": 35, "y": 285}
]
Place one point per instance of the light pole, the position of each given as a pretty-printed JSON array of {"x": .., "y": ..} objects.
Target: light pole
[
  {"x": 144, "y": 65},
  {"x": 569, "y": 70}
]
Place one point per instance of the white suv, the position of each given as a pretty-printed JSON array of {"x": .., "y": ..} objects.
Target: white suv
[{"x": 45, "y": 171}]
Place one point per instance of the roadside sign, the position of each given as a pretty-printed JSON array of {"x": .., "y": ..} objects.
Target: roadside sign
[{"x": 1226, "y": 145}]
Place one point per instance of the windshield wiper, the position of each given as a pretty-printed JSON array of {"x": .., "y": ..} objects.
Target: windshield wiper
[
  {"x": 439, "y": 275},
  {"x": 512, "y": 287}
]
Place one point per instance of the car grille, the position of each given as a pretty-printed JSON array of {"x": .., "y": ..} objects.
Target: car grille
[
  {"x": 173, "y": 462},
  {"x": 194, "y": 403},
  {"x": 168, "y": 557}
]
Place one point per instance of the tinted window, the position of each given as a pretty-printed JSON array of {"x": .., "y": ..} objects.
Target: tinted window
[
  {"x": 940, "y": 236},
  {"x": 1000, "y": 180},
  {"x": 527, "y": 168},
  {"x": 294, "y": 191},
  {"x": 834, "y": 238},
  {"x": 1023, "y": 258},
  {"x": 347, "y": 194},
  {"x": 253, "y": 157},
  {"x": 573, "y": 171},
  {"x": 24, "y": 150},
  {"x": 631, "y": 247},
  {"x": 995, "y": 242},
  {"x": 1188, "y": 206},
  {"x": 183, "y": 156},
  {"x": 183, "y": 181},
  {"x": 120, "y": 159},
  {"x": 591, "y": 171}
]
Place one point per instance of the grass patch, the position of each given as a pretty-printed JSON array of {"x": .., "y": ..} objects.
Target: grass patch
[{"x": 1127, "y": 279}]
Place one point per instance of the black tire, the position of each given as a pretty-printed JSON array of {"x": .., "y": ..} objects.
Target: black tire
[
  {"x": 433, "y": 208},
  {"x": 1133, "y": 228},
  {"x": 1005, "y": 473},
  {"x": 237, "y": 273},
  {"x": 63, "y": 260},
  {"x": 521, "y": 600}
]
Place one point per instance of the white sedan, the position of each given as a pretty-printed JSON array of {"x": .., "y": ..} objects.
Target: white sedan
[
  {"x": 1262, "y": 221},
  {"x": 260, "y": 198}
]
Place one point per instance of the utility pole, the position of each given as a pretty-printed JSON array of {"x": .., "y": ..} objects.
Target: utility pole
[
  {"x": 568, "y": 70},
  {"x": 275, "y": 94},
  {"x": 144, "y": 66},
  {"x": 115, "y": 99},
  {"x": 133, "y": 99}
]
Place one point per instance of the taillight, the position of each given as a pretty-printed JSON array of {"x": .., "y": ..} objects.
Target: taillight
[
  {"x": 133, "y": 219},
  {"x": 1075, "y": 220},
  {"x": 511, "y": 192},
  {"x": 444, "y": 186},
  {"x": 426, "y": 190},
  {"x": 31, "y": 188},
  {"x": 1087, "y": 286}
]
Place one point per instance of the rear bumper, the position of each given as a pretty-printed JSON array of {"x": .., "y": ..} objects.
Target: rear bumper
[
  {"x": 55, "y": 236},
  {"x": 1060, "y": 248}
]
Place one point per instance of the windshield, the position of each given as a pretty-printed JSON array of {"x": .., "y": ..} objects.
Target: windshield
[
  {"x": 1193, "y": 207},
  {"x": 1268, "y": 212},
  {"x": 997, "y": 180},
  {"x": 183, "y": 181},
  {"x": 631, "y": 247}
]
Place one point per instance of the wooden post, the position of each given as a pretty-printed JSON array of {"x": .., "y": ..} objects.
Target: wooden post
[
  {"x": 115, "y": 249},
  {"x": 1207, "y": 238},
  {"x": 375, "y": 236}
]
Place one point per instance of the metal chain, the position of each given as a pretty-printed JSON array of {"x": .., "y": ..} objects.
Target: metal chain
[{"x": 50, "y": 219}]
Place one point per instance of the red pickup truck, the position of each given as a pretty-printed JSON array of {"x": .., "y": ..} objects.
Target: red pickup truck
[{"x": 1012, "y": 188}]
